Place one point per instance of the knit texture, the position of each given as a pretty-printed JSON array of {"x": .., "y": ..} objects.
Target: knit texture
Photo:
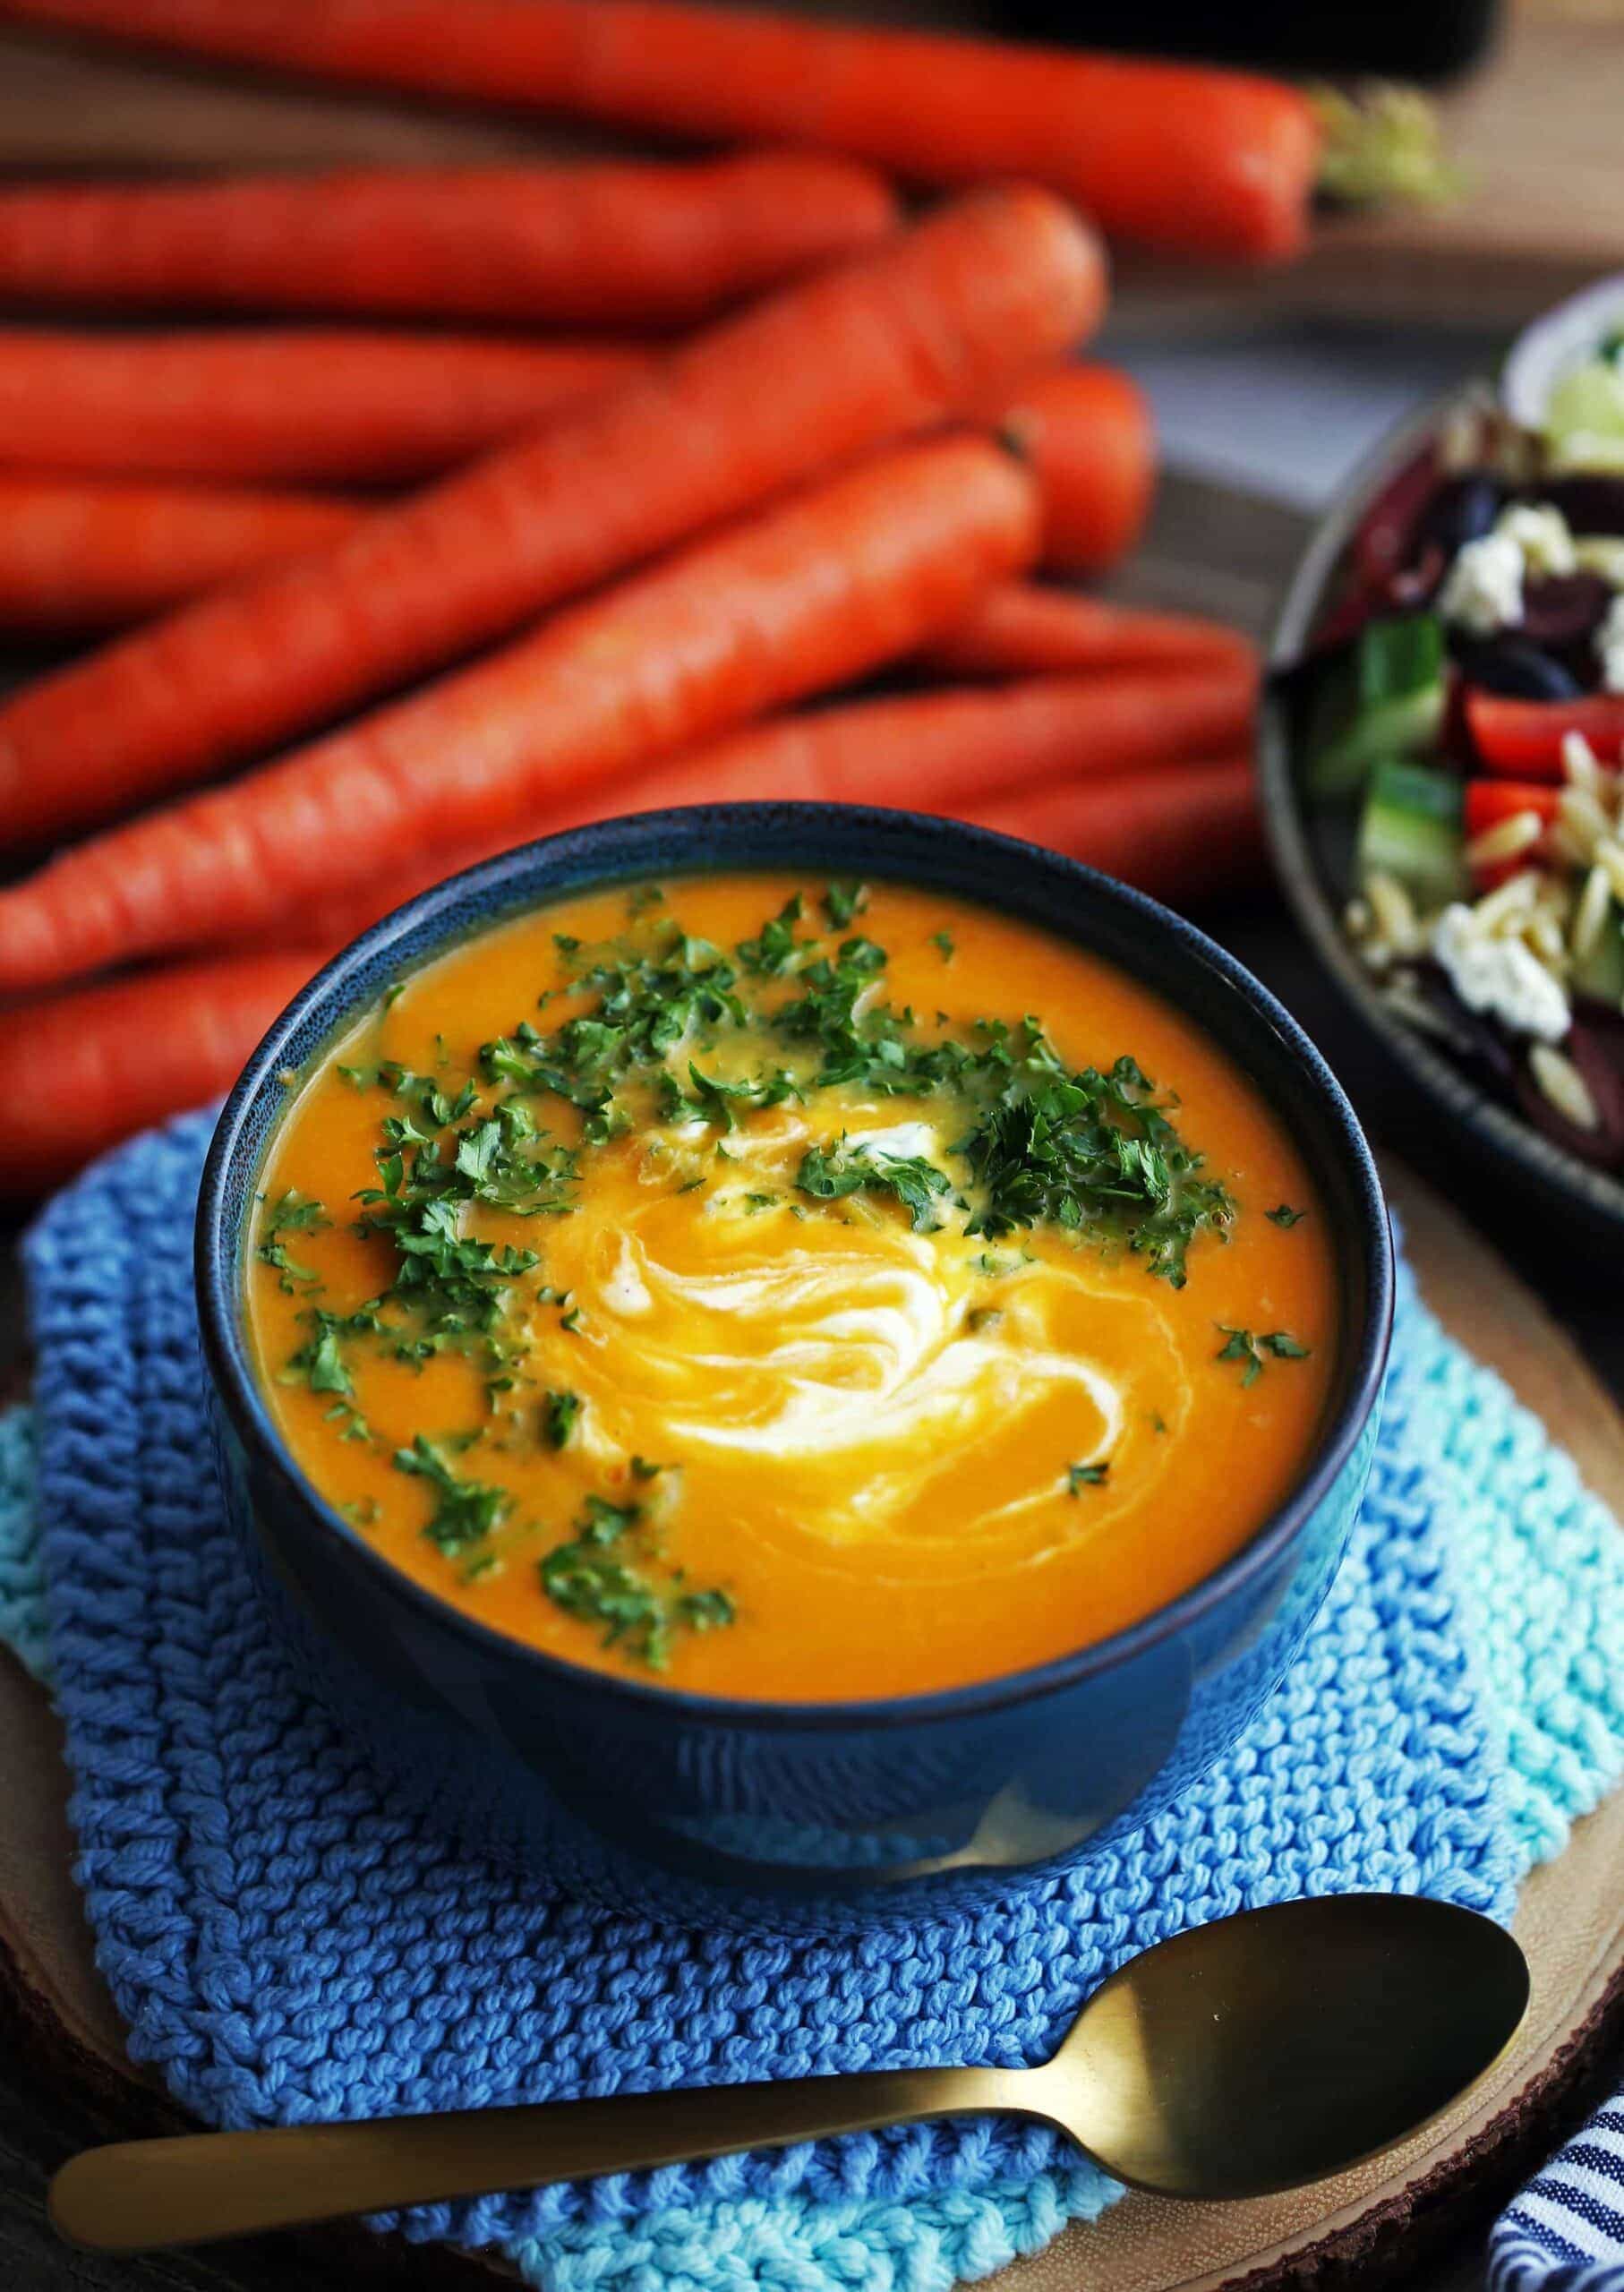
[{"x": 287, "y": 1942}]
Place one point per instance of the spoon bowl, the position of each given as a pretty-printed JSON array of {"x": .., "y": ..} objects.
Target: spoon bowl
[
  {"x": 1249, "y": 2055},
  {"x": 1286, "y": 2043}
]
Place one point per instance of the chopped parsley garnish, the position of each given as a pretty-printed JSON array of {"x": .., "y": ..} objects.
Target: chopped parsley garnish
[
  {"x": 941, "y": 940},
  {"x": 296, "y": 1213},
  {"x": 772, "y": 949},
  {"x": 1283, "y": 1214},
  {"x": 321, "y": 1362},
  {"x": 1094, "y": 1475},
  {"x": 601, "y": 1577},
  {"x": 466, "y": 1511},
  {"x": 1092, "y": 1150},
  {"x": 294, "y": 1275},
  {"x": 292, "y": 1213},
  {"x": 559, "y": 1414},
  {"x": 841, "y": 901},
  {"x": 918, "y": 1184},
  {"x": 1240, "y": 1345}
]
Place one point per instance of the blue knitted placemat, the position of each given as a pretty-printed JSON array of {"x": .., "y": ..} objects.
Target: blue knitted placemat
[{"x": 286, "y": 1942}]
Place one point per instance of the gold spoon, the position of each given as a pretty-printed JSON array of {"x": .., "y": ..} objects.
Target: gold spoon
[{"x": 1235, "y": 2060}]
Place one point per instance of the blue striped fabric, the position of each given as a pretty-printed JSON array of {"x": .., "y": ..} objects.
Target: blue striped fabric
[{"x": 1565, "y": 2231}]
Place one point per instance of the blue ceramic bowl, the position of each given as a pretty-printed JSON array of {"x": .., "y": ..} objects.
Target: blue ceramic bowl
[{"x": 703, "y": 1806}]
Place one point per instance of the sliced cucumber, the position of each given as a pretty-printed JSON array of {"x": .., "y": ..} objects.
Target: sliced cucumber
[
  {"x": 1388, "y": 702},
  {"x": 1411, "y": 829},
  {"x": 1599, "y": 974}
]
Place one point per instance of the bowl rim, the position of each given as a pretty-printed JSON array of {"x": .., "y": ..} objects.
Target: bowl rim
[
  {"x": 609, "y": 850},
  {"x": 1492, "y": 1126}
]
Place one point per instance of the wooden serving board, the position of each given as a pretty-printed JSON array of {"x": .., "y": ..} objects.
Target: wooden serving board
[
  {"x": 1386, "y": 2215},
  {"x": 1534, "y": 130}
]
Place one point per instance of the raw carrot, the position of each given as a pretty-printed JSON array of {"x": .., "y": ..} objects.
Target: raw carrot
[
  {"x": 924, "y": 750},
  {"x": 891, "y": 343},
  {"x": 795, "y": 601},
  {"x": 103, "y": 1062},
  {"x": 77, "y": 554},
  {"x": 84, "y": 555},
  {"x": 350, "y": 407},
  {"x": 1203, "y": 162},
  {"x": 1024, "y": 630},
  {"x": 1088, "y": 432},
  {"x": 611, "y": 245},
  {"x": 307, "y": 405},
  {"x": 1187, "y": 832}
]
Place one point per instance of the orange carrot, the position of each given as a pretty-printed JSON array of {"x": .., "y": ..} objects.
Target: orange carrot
[
  {"x": 103, "y": 1062},
  {"x": 1203, "y": 162},
  {"x": 78, "y": 555},
  {"x": 1087, "y": 430},
  {"x": 797, "y": 600},
  {"x": 1188, "y": 833},
  {"x": 611, "y": 245},
  {"x": 1022, "y": 631},
  {"x": 308, "y": 405},
  {"x": 926, "y": 751},
  {"x": 891, "y": 343}
]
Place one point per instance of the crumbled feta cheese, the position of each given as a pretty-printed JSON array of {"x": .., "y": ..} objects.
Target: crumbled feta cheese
[
  {"x": 1484, "y": 588},
  {"x": 1610, "y": 646},
  {"x": 1500, "y": 976},
  {"x": 1542, "y": 533}
]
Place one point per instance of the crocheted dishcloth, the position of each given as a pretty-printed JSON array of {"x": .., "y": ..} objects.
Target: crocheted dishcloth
[{"x": 287, "y": 1943}]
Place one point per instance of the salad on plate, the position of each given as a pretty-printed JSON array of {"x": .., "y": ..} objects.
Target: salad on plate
[{"x": 1464, "y": 738}]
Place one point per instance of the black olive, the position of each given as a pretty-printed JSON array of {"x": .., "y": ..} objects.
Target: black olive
[
  {"x": 1562, "y": 612},
  {"x": 1512, "y": 666},
  {"x": 1591, "y": 502},
  {"x": 1464, "y": 509}
]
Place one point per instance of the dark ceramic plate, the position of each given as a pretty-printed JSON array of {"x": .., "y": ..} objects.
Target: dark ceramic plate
[{"x": 1312, "y": 858}]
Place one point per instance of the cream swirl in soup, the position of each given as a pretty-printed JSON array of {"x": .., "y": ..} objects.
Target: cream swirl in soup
[{"x": 791, "y": 1289}]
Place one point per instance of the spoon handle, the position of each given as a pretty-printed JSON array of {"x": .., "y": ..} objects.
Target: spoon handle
[{"x": 137, "y": 2195}]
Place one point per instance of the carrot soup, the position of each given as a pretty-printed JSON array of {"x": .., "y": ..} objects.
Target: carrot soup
[{"x": 790, "y": 1289}]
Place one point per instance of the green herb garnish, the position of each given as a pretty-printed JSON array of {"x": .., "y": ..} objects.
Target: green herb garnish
[
  {"x": 1283, "y": 1214},
  {"x": 465, "y": 1510},
  {"x": 918, "y": 1184},
  {"x": 292, "y": 1213},
  {"x": 1086, "y": 1477},
  {"x": 771, "y": 951},
  {"x": 595, "y": 1577},
  {"x": 559, "y": 1414},
  {"x": 1240, "y": 1345},
  {"x": 841, "y": 901},
  {"x": 941, "y": 940},
  {"x": 1095, "y": 1150}
]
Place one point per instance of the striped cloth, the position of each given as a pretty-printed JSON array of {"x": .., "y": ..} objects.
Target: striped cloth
[{"x": 1565, "y": 2231}]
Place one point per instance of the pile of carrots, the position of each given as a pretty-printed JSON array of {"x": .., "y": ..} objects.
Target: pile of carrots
[{"x": 733, "y": 435}]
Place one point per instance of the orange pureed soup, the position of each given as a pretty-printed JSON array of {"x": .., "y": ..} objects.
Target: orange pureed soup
[{"x": 791, "y": 1289}]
